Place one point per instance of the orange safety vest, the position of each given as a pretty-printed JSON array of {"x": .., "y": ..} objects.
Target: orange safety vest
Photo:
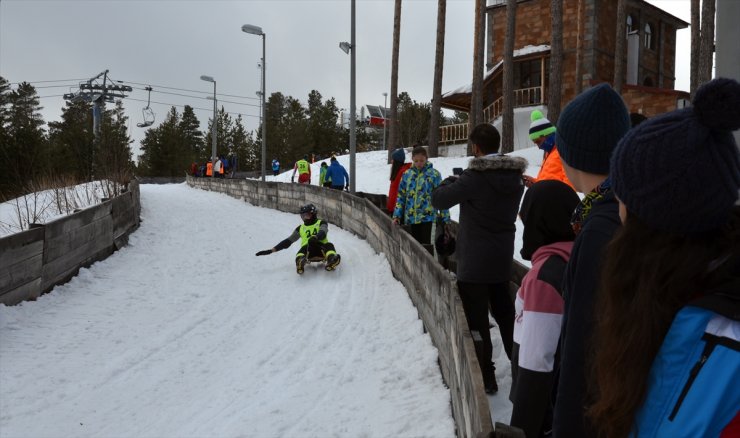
[
  {"x": 552, "y": 168},
  {"x": 221, "y": 169},
  {"x": 209, "y": 169}
]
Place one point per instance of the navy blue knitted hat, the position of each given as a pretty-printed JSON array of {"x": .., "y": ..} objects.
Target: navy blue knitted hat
[
  {"x": 399, "y": 155},
  {"x": 680, "y": 171},
  {"x": 590, "y": 127}
]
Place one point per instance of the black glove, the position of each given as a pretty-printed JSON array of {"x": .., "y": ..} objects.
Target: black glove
[
  {"x": 449, "y": 180},
  {"x": 346, "y": 188},
  {"x": 313, "y": 238},
  {"x": 265, "y": 252}
]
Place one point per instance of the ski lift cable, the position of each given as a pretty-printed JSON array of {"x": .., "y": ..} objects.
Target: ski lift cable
[
  {"x": 200, "y": 97},
  {"x": 191, "y": 91},
  {"x": 193, "y": 107},
  {"x": 43, "y": 82}
]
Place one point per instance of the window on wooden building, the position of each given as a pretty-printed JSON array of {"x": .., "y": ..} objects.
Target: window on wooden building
[{"x": 648, "y": 36}]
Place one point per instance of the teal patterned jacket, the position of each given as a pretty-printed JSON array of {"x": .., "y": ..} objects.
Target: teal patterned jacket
[{"x": 414, "y": 202}]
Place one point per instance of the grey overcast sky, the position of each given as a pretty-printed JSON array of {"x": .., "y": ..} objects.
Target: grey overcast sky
[{"x": 171, "y": 43}]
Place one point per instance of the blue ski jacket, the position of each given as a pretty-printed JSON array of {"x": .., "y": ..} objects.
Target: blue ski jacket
[
  {"x": 337, "y": 174},
  {"x": 694, "y": 383}
]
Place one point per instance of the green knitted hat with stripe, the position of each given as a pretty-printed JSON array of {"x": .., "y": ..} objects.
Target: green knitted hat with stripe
[{"x": 540, "y": 126}]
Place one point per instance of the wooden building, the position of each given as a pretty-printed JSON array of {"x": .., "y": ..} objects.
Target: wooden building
[{"x": 589, "y": 35}]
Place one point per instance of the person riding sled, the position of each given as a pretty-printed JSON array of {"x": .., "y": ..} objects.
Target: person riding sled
[{"x": 315, "y": 245}]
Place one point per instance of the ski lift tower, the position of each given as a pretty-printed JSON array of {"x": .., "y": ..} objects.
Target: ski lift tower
[{"x": 98, "y": 93}]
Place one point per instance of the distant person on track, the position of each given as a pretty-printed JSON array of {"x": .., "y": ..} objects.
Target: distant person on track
[
  {"x": 303, "y": 167},
  {"x": 337, "y": 175}
]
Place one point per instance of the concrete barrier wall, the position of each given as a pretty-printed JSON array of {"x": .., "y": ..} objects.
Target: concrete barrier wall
[
  {"x": 32, "y": 262},
  {"x": 430, "y": 287}
]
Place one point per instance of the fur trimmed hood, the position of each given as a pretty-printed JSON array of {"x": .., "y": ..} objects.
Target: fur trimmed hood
[{"x": 498, "y": 162}]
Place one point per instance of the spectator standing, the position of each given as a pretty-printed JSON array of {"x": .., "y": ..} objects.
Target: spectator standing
[
  {"x": 547, "y": 242},
  {"x": 209, "y": 168},
  {"x": 275, "y": 167},
  {"x": 398, "y": 167},
  {"x": 488, "y": 192},
  {"x": 542, "y": 133},
  {"x": 588, "y": 131},
  {"x": 672, "y": 366},
  {"x": 323, "y": 181},
  {"x": 304, "y": 171},
  {"x": 414, "y": 202},
  {"x": 337, "y": 175},
  {"x": 217, "y": 168},
  {"x": 194, "y": 169},
  {"x": 222, "y": 167}
]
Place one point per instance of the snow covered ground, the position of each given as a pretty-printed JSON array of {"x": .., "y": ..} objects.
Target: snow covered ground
[{"x": 186, "y": 333}]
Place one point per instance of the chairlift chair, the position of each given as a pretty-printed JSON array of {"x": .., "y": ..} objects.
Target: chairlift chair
[{"x": 147, "y": 112}]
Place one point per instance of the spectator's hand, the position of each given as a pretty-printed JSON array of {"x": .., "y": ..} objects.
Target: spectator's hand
[
  {"x": 264, "y": 252},
  {"x": 449, "y": 180},
  {"x": 528, "y": 181}
]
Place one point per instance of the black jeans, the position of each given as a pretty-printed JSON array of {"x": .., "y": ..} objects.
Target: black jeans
[
  {"x": 421, "y": 232},
  {"x": 476, "y": 299}
]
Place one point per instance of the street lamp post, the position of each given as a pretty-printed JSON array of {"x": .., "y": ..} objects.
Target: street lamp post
[
  {"x": 350, "y": 49},
  {"x": 256, "y": 30},
  {"x": 385, "y": 117},
  {"x": 213, "y": 125}
]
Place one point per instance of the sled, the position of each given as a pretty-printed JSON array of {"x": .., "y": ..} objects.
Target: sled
[{"x": 318, "y": 260}]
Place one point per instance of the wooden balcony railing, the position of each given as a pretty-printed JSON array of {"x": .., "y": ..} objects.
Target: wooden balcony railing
[{"x": 451, "y": 134}]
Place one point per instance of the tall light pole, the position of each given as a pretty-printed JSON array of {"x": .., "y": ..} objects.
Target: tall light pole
[
  {"x": 256, "y": 30},
  {"x": 385, "y": 105},
  {"x": 350, "y": 49},
  {"x": 213, "y": 125}
]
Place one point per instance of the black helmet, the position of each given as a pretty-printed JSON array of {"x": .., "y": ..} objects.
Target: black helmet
[{"x": 308, "y": 208}]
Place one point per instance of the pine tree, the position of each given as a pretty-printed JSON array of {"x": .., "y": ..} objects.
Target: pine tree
[
  {"x": 244, "y": 147},
  {"x": 71, "y": 142},
  {"x": 192, "y": 137},
  {"x": 5, "y": 180},
  {"x": 26, "y": 139},
  {"x": 114, "y": 157},
  {"x": 413, "y": 120}
]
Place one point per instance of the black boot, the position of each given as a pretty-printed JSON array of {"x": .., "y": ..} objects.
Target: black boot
[
  {"x": 489, "y": 381},
  {"x": 300, "y": 263},
  {"x": 332, "y": 261}
]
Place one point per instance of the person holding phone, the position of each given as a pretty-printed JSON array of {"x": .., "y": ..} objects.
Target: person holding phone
[{"x": 488, "y": 192}]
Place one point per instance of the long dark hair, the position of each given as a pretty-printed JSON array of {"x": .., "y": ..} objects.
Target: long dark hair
[
  {"x": 395, "y": 167},
  {"x": 648, "y": 276}
]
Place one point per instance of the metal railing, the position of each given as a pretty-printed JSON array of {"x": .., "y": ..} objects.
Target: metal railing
[{"x": 458, "y": 133}]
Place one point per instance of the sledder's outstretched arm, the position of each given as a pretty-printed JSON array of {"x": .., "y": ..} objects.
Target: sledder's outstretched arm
[{"x": 285, "y": 243}]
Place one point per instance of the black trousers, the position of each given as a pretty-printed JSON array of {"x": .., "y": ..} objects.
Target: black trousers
[
  {"x": 476, "y": 299},
  {"x": 315, "y": 249},
  {"x": 421, "y": 232}
]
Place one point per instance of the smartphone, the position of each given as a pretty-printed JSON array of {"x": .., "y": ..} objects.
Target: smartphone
[{"x": 457, "y": 171}]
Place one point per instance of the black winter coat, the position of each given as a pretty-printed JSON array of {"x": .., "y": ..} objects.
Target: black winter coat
[
  {"x": 579, "y": 317},
  {"x": 489, "y": 192}
]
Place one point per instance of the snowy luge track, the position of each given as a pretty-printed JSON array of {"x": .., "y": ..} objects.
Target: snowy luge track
[{"x": 186, "y": 333}]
